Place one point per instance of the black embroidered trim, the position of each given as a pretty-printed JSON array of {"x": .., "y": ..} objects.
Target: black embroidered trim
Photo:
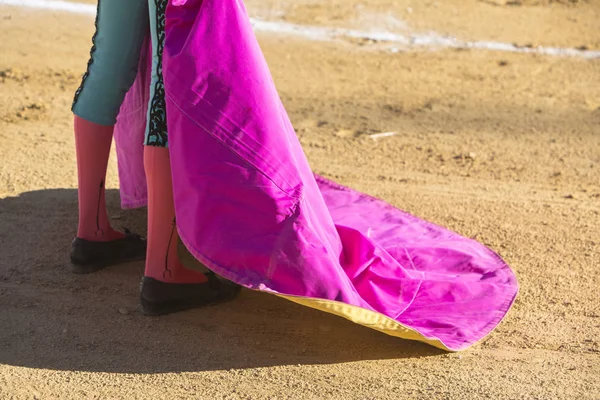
[
  {"x": 157, "y": 124},
  {"x": 90, "y": 61}
]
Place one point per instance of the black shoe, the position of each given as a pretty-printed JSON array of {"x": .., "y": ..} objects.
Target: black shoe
[
  {"x": 158, "y": 298},
  {"x": 88, "y": 256}
]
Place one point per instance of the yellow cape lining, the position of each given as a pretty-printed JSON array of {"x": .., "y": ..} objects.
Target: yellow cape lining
[{"x": 368, "y": 318}]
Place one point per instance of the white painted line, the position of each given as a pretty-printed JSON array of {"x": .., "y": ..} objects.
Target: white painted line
[
  {"x": 391, "y": 40},
  {"x": 383, "y": 134},
  {"x": 57, "y": 5}
]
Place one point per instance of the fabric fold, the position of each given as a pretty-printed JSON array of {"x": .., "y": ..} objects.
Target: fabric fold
[{"x": 250, "y": 209}]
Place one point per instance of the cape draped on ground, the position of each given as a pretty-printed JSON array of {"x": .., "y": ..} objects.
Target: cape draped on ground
[{"x": 249, "y": 208}]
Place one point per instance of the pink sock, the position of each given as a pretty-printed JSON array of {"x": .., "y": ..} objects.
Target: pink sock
[
  {"x": 92, "y": 142},
  {"x": 162, "y": 260}
]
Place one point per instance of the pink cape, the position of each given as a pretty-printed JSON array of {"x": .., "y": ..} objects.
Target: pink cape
[{"x": 249, "y": 208}]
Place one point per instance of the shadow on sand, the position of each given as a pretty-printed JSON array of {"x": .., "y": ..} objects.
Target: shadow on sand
[{"x": 57, "y": 320}]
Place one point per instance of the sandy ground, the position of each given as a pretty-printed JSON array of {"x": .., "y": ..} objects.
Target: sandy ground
[{"x": 501, "y": 147}]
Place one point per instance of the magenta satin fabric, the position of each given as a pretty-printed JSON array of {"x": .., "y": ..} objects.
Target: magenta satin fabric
[{"x": 249, "y": 207}]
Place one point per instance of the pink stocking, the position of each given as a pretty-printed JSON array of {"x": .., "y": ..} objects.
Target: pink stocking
[
  {"x": 162, "y": 261},
  {"x": 92, "y": 142}
]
